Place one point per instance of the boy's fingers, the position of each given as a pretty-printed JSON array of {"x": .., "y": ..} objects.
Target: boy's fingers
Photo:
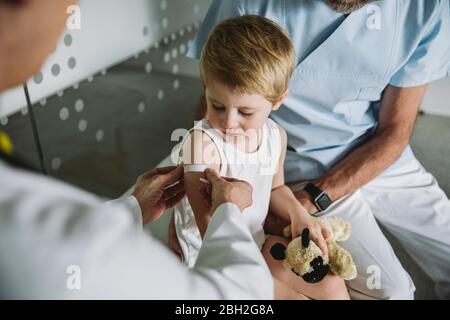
[
  {"x": 294, "y": 233},
  {"x": 326, "y": 234},
  {"x": 322, "y": 245}
]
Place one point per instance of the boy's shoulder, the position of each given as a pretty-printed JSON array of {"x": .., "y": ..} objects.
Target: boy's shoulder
[
  {"x": 272, "y": 125},
  {"x": 199, "y": 148},
  {"x": 280, "y": 134}
]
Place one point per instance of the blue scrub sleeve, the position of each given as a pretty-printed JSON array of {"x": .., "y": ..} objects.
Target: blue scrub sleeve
[
  {"x": 431, "y": 59},
  {"x": 219, "y": 10}
]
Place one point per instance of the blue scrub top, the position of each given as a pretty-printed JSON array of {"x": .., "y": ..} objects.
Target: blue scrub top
[{"x": 344, "y": 62}]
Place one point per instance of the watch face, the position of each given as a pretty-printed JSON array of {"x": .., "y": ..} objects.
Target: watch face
[{"x": 324, "y": 201}]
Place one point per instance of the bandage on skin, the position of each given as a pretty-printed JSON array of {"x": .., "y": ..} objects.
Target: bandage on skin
[{"x": 196, "y": 168}]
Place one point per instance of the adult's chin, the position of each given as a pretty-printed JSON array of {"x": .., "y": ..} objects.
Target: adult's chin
[{"x": 347, "y": 6}]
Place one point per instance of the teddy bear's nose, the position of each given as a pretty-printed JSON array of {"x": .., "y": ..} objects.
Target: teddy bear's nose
[{"x": 320, "y": 270}]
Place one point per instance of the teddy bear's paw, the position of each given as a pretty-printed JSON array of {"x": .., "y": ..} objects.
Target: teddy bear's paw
[
  {"x": 346, "y": 231},
  {"x": 346, "y": 271},
  {"x": 340, "y": 228},
  {"x": 341, "y": 263}
]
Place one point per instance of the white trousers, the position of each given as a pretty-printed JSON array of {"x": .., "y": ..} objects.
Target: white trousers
[{"x": 406, "y": 200}]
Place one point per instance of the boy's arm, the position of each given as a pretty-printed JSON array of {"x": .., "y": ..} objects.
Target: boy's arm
[
  {"x": 278, "y": 179},
  {"x": 284, "y": 204},
  {"x": 199, "y": 149},
  {"x": 282, "y": 200}
]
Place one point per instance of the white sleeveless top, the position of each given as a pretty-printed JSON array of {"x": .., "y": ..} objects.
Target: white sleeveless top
[{"x": 258, "y": 168}]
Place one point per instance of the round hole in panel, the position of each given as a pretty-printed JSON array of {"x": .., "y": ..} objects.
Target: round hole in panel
[
  {"x": 68, "y": 40},
  {"x": 99, "y": 135},
  {"x": 160, "y": 94},
  {"x": 148, "y": 67},
  {"x": 72, "y": 62},
  {"x": 38, "y": 78},
  {"x": 64, "y": 114},
  {"x": 141, "y": 107},
  {"x": 163, "y": 5},
  {"x": 176, "y": 84},
  {"x": 82, "y": 125},
  {"x": 56, "y": 69},
  {"x": 56, "y": 163},
  {"x": 79, "y": 105}
]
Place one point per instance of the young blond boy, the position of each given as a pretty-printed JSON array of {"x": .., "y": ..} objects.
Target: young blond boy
[{"x": 246, "y": 65}]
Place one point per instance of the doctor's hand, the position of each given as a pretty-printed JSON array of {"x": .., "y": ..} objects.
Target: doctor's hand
[
  {"x": 155, "y": 191},
  {"x": 222, "y": 190},
  {"x": 219, "y": 190}
]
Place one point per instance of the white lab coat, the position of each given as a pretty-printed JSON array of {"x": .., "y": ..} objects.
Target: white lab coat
[{"x": 58, "y": 242}]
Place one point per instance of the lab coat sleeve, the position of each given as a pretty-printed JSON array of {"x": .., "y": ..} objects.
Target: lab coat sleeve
[
  {"x": 218, "y": 11},
  {"x": 131, "y": 203},
  {"x": 229, "y": 266},
  {"x": 229, "y": 253},
  {"x": 229, "y": 259},
  {"x": 430, "y": 60},
  {"x": 58, "y": 242}
]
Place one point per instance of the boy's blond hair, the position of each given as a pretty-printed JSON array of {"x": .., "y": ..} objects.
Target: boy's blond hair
[{"x": 250, "y": 54}]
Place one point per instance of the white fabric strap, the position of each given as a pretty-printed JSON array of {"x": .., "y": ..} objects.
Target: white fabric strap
[{"x": 195, "y": 168}]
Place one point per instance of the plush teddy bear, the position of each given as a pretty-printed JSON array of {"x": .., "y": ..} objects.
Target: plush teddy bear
[{"x": 305, "y": 259}]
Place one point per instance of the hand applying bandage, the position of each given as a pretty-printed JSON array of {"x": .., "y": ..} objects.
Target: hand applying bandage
[
  {"x": 158, "y": 190},
  {"x": 216, "y": 191},
  {"x": 221, "y": 190}
]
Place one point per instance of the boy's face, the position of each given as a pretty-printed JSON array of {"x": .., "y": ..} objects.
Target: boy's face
[{"x": 236, "y": 114}]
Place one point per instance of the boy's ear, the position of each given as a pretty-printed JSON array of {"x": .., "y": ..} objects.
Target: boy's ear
[{"x": 280, "y": 101}]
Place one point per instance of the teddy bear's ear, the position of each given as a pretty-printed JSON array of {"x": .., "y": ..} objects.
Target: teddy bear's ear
[
  {"x": 278, "y": 251},
  {"x": 305, "y": 238}
]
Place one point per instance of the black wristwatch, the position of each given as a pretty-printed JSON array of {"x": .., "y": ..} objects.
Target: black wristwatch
[{"x": 319, "y": 197}]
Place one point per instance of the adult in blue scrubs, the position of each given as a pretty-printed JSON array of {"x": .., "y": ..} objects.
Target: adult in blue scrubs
[{"x": 362, "y": 70}]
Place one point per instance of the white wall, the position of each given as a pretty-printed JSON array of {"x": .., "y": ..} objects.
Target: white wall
[
  {"x": 108, "y": 36},
  {"x": 111, "y": 32}
]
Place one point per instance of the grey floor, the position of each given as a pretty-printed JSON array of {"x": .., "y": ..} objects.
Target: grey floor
[
  {"x": 136, "y": 123},
  {"x": 431, "y": 145}
]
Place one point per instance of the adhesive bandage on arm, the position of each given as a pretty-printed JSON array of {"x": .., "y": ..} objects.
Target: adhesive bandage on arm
[{"x": 196, "y": 168}]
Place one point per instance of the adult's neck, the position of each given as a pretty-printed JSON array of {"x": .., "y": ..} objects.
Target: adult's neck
[
  {"x": 8, "y": 76},
  {"x": 4, "y": 83},
  {"x": 2, "y": 80}
]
